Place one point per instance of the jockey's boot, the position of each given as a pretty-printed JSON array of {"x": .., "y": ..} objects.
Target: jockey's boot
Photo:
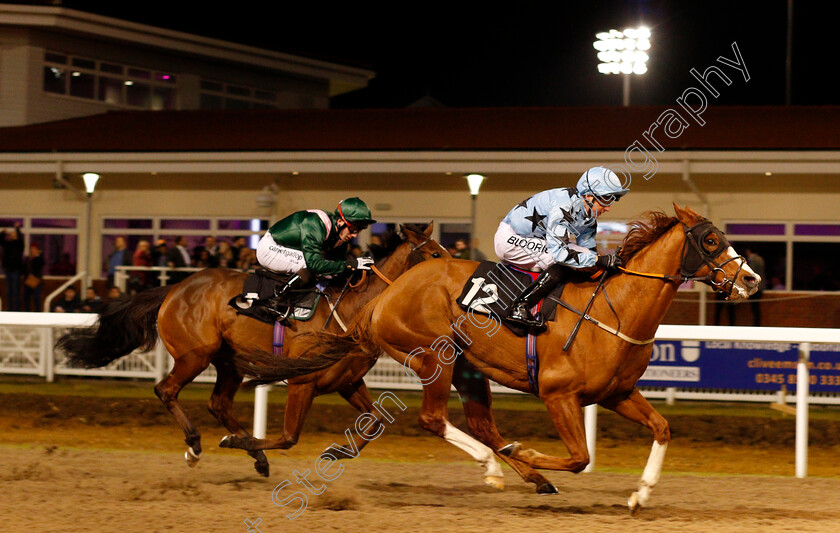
[
  {"x": 280, "y": 304},
  {"x": 541, "y": 287}
]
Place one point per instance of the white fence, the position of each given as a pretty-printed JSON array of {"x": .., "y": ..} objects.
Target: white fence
[{"x": 27, "y": 340}]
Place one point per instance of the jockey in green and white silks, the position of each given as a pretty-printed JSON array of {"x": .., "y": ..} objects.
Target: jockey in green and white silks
[
  {"x": 554, "y": 229},
  {"x": 313, "y": 244}
]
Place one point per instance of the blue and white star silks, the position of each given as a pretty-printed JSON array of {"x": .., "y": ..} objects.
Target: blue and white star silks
[{"x": 559, "y": 217}]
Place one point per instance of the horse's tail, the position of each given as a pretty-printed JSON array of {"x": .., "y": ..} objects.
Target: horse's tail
[
  {"x": 320, "y": 350},
  {"x": 124, "y": 325}
]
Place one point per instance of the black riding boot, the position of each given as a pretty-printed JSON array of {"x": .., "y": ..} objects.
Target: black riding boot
[
  {"x": 541, "y": 287},
  {"x": 281, "y": 303}
]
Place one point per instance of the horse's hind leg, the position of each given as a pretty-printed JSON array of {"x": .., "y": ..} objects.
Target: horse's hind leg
[
  {"x": 636, "y": 408},
  {"x": 358, "y": 396},
  {"x": 474, "y": 390},
  {"x": 298, "y": 403},
  {"x": 221, "y": 407},
  {"x": 185, "y": 369}
]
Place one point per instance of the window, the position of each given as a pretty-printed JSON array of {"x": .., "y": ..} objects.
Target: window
[
  {"x": 797, "y": 255},
  {"x": 110, "y": 83},
  {"x": 57, "y": 238},
  {"x": 195, "y": 230},
  {"x": 216, "y": 95}
]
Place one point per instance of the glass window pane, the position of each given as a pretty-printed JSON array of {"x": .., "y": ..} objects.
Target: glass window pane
[
  {"x": 10, "y": 222},
  {"x": 82, "y": 85},
  {"x": 53, "y": 222},
  {"x": 209, "y": 101},
  {"x": 193, "y": 224},
  {"x": 83, "y": 63},
  {"x": 243, "y": 224},
  {"x": 265, "y": 96},
  {"x": 59, "y": 253},
  {"x": 54, "y": 80},
  {"x": 128, "y": 223},
  {"x": 817, "y": 229},
  {"x": 111, "y": 90},
  {"x": 163, "y": 98},
  {"x": 233, "y": 103},
  {"x": 138, "y": 95},
  {"x": 111, "y": 68},
  {"x": 211, "y": 86},
  {"x": 773, "y": 254},
  {"x": 140, "y": 74},
  {"x": 238, "y": 91},
  {"x": 816, "y": 266},
  {"x": 755, "y": 229}
]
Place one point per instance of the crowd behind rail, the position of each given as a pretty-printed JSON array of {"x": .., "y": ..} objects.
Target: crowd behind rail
[{"x": 165, "y": 261}]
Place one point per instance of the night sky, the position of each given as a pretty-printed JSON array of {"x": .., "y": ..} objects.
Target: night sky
[{"x": 524, "y": 55}]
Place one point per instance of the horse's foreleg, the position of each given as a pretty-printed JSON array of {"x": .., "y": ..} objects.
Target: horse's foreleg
[
  {"x": 474, "y": 390},
  {"x": 358, "y": 396},
  {"x": 185, "y": 369},
  {"x": 221, "y": 407},
  {"x": 636, "y": 408},
  {"x": 567, "y": 415}
]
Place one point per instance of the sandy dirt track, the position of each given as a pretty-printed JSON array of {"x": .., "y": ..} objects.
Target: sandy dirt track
[{"x": 70, "y": 467}]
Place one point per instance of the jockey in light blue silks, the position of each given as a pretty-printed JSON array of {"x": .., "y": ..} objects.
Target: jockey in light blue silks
[{"x": 555, "y": 229}]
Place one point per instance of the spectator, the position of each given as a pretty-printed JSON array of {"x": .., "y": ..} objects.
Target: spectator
[
  {"x": 142, "y": 258},
  {"x": 203, "y": 260},
  {"x": 777, "y": 284},
  {"x": 178, "y": 257},
  {"x": 355, "y": 250},
  {"x": 722, "y": 303},
  {"x": 207, "y": 260},
  {"x": 92, "y": 303},
  {"x": 121, "y": 256},
  {"x": 463, "y": 251},
  {"x": 64, "y": 266},
  {"x": 159, "y": 253},
  {"x": 247, "y": 259},
  {"x": 33, "y": 275},
  {"x": 225, "y": 257},
  {"x": 114, "y": 293},
  {"x": 68, "y": 303},
  {"x": 238, "y": 245},
  {"x": 377, "y": 247},
  {"x": 12, "y": 245},
  {"x": 756, "y": 263}
]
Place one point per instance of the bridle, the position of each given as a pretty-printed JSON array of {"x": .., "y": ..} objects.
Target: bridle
[
  {"x": 414, "y": 257},
  {"x": 696, "y": 256}
]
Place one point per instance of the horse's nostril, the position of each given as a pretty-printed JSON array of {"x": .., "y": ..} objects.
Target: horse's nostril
[{"x": 750, "y": 281}]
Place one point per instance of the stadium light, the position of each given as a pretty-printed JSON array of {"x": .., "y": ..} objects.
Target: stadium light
[
  {"x": 623, "y": 52},
  {"x": 474, "y": 182}
]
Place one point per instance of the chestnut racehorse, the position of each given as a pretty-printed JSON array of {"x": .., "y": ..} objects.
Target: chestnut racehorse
[
  {"x": 413, "y": 322},
  {"x": 199, "y": 328}
]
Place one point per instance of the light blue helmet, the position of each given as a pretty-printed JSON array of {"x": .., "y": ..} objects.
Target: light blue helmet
[{"x": 603, "y": 184}]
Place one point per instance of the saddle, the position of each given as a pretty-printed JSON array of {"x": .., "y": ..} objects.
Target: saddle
[
  {"x": 494, "y": 287},
  {"x": 259, "y": 287}
]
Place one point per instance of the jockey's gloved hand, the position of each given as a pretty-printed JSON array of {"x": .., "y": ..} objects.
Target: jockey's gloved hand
[
  {"x": 609, "y": 261},
  {"x": 359, "y": 263}
]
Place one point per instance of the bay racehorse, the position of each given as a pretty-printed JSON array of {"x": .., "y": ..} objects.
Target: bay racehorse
[
  {"x": 199, "y": 328},
  {"x": 418, "y": 322}
]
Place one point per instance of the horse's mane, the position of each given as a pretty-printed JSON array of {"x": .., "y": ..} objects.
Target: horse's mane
[{"x": 642, "y": 232}]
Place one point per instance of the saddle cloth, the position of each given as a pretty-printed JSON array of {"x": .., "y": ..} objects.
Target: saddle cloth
[
  {"x": 493, "y": 288},
  {"x": 259, "y": 288}
]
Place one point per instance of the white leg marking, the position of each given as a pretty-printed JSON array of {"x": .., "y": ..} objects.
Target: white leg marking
[
  {"x": 650, "y": 477},
  {"x": 478, "y": 451}
]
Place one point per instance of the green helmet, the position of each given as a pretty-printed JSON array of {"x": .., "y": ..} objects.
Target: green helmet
[{"x": 354, "y": 212}]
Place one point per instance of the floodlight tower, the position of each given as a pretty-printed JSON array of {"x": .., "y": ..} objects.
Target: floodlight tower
[{"x": 623, "y": 52}]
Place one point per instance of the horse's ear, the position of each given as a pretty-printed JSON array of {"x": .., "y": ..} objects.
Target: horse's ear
[
  {"x": 686, "y": 215},
  {"x": 429, "y": 228}
]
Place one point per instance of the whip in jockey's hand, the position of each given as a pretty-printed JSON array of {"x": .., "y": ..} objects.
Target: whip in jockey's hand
[
  {"x": 312, "y": 244},
  {"x": 555, "y": 230}
]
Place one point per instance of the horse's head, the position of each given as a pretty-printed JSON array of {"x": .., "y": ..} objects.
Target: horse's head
[
  {"x": 707, "y": 255},
  {"x": 421, "y": 245}
]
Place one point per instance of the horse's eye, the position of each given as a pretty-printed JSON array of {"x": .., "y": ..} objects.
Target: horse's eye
[{"x": 436, "y": 254}]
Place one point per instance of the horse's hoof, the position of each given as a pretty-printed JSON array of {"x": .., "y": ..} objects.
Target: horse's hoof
[
  {"x": 510, "y": 449},
  {"x": 226, "y": 442},
  {"x": 547, "y": 488},
  {"x": 261, "y": 466},
  {"x": 191, "y": 457},
  {"x": 497, "y": 482},
  {"x": 633, "y": 504}
]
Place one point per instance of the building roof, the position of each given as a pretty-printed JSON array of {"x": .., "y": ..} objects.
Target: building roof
[{"x": 572, "y": 128}]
